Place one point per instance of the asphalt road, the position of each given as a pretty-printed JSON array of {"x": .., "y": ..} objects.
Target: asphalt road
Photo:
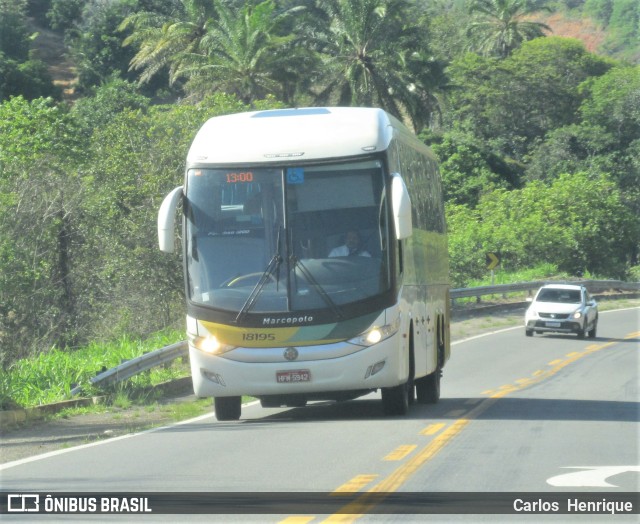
[{"x": 551, "y": 414}]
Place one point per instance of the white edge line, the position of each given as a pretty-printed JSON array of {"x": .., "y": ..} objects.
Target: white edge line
[
  {"x": 55, "y": 453},
  {"x": 209, "y": 415},
  {"x": 486, "y": 335}
]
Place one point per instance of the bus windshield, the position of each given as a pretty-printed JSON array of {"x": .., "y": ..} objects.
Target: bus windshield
[{"x": 286, "y": 239}]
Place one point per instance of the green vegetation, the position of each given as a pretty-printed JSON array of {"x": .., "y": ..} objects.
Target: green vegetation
[
  {"x": 538, "y": 140},
  {"x": 50, "y": 377}
]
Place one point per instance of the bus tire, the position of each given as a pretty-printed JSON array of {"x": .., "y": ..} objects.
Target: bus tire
[
  {"x": 227, "y": 408},
  {"x": 428, "y": 388},
  {"x": 395, "y": 400}
]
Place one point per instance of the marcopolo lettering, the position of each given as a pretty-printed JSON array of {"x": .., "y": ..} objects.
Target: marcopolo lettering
[{"x": 271, "y": 321}]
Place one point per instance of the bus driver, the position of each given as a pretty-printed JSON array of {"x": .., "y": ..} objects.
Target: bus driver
[{"x": 351, "y": 247}]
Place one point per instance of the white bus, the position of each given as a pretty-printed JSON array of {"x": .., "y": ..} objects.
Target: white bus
[{"x": 315, "y": 259}]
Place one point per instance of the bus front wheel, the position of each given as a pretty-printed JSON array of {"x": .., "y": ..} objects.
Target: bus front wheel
[
  {"x": 227, "y": 408},
  {"x": 395, "y": 400}
]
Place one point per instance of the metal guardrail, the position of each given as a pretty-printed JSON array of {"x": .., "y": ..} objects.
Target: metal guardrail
[
  {"x": 137, "y": 365},
  {"x": 594, "y": 286},
  {"x": 179, "y": 349}
]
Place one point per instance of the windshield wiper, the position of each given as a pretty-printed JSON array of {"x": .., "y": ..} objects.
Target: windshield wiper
[
  {"x": 297, "y": 263},
  {"x": 272, "y": 267}
]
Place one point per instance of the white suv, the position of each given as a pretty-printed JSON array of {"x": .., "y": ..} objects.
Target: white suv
[{"x": 562, "y": 308}]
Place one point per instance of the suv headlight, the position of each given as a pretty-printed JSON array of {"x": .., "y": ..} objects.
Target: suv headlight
[{"x": 577, "y": 314}]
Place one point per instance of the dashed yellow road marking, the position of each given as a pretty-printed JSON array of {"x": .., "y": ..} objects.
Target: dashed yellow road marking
[
  {"x": 355, "y": 484},
  {"x": 368, "y": 500},
  {"x": 296, "y": 520},
  {"x": 432, "y": 429},
  {"x": 400, "y": 452},
  {"x": 554, "y": 362}
]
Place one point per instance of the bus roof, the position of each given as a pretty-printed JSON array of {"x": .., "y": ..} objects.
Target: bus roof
[{"x": 283, "y": 135}]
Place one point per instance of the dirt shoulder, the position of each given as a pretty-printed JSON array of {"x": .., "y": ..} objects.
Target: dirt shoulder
[{"x": 54, "y": 434}]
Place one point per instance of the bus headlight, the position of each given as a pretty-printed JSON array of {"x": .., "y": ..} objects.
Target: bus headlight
[
  {"x": 209, "y": 344},
  {"x": 376, "y": 334}
]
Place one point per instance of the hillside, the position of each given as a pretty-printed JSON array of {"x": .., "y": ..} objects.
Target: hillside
[
  {"x": 49, "y": 47},
  {"x": 583, "y": 29}
]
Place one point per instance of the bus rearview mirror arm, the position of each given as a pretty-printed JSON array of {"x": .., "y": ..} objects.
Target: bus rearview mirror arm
[
  {"x": 167, "y": 220},
  {"x": 401, "y": 205}
]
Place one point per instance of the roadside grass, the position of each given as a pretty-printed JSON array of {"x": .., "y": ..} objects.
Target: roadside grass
[
  {"x": 541, "y": 272},
  {"x": 50, "y": 376}
]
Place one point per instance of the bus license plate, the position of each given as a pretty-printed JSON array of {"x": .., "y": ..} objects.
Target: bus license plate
[
  {"x": 298, "y": 375},
  {"x": 553, "y": 324}
]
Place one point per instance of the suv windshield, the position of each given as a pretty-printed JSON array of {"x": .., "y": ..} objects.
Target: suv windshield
[
  {"x": 286, "y": 239},
  {"x": 566, "y": 296}
]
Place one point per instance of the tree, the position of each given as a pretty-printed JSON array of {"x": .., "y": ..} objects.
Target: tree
[
  {"x": 372, "y": 56},
  {"x": 468, "y": 169},
  {"x": 95, "y": 44},
  {"x": 14, "y": 37},
  {"x": 163, "y": 40},
  {"x": 244, "y": 48},
  {"x": 579, "y": 222},
  {"x": 514, "y": 102},
  {"x": 40, "y": 195},
  {"x": 501, "y": 26},
  {"x": 245, "y": 51},
  {"x": 20, "y": 74}
]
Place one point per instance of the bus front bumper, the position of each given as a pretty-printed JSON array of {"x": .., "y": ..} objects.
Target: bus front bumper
[{"x": 367, "y": 369}]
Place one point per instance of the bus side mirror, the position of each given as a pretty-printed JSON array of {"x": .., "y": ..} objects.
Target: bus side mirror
[
  {"x": 401, "y": 205},
  {"x": 167, "y": 220}
]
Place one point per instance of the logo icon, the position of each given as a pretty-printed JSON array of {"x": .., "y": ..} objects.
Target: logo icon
[
  {"x": 23, "y": 503},
  {"x": 291, "y": 353}
]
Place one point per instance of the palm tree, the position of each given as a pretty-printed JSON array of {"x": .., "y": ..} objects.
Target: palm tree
[
  {"x": 236, "y": 46},
  {"x": 499, "y": 26},
  {"x": 372, "y": 57},
  {"x": 164, "y": 40},
  {"x": 246, "y": 51}
]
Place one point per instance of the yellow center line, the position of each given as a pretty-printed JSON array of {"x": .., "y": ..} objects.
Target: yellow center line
[
  {"x": 297, "y": 520},
  {"x": 355, "y": 484},
  {"x": 400, "y": 452},
  {"x": 368, "y": 500},
  {"x": 432, "y": 429}
]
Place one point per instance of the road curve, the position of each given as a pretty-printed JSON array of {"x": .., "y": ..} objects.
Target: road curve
[{"x": 551, "y": 413}]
